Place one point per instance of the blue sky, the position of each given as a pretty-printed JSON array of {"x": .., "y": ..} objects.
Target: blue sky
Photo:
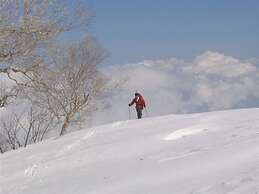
[{"x": 136, "y": 30}]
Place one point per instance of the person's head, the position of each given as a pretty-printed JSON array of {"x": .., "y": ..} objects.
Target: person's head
[{"x": 137, "y": 94}]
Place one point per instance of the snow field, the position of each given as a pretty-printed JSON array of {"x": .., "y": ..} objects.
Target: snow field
[{"x": 205, "y": 153}]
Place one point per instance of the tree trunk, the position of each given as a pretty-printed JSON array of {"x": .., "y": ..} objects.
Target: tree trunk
[{"x": 64, "y": 126}]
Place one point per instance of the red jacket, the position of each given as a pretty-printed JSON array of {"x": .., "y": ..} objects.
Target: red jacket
[{"x": 139, "y": 101}]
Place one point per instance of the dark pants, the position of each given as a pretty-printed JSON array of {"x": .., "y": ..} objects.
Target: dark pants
[{"x": 139, "y": 112}]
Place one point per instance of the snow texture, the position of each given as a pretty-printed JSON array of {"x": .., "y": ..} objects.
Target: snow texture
[{"x": 205, "y": 153}]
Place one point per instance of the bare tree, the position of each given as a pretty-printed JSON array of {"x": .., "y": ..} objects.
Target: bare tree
[
  {"x": 36, "y": 126},
  {"x": 72, "y": 83},
  {"x": 22, "y": 129},
  {"x": 4, "y": 147},
  {"x": 25, "y": 27},
  {"x": 57, "y": 84},
  {"x": 10, "y": 132},
  {"x": 7, "y": 93}
]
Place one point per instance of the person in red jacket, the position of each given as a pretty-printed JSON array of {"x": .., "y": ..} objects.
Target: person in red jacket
[{"x": 140, "y": 104}]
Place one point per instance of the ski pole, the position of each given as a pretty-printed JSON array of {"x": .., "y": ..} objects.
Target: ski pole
[
  {"x": 129, "y": 113},
  {"x": 146, "y": 112}
]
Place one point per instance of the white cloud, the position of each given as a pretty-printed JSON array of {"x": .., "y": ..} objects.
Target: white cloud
[
  {"x": 212, "y": 81},
  {"x": 218, "y": 64}
]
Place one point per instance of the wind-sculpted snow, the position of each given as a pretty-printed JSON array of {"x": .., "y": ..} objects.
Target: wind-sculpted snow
[
  {"x": 183, "y": 132},
  {"x": 72, "y": 146},
  {"x": 205, "y": 153}
]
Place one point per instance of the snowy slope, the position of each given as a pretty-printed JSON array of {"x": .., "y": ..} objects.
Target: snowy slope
[{"x": 207, "y": 153}]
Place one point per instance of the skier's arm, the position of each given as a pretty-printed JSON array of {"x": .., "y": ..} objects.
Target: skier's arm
[{"x": 132, "y": 102}]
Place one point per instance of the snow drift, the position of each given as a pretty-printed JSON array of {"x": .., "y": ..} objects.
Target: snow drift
[{"x": 205, "y": 153}]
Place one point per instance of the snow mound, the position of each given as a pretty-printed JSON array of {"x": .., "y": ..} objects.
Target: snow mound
[{"x": 183, "y": 133}]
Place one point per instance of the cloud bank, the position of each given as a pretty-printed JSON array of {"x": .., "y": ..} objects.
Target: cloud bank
[{"x": 212, "y": 81}]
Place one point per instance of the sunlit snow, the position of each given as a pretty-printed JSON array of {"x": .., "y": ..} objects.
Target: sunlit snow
[{"x": 205, "y": 153}]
